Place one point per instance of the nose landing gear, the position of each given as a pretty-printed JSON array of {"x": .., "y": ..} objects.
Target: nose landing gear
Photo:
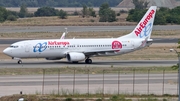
[{"x": 19, "y": 61}]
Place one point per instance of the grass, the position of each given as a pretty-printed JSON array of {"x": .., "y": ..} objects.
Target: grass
[
  {"x": 70, "y": 21},
  {"x": 84, "y": 70},
  {"x": 91, "y": 97}
]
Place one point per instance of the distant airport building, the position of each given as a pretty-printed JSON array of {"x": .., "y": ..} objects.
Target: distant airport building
[{"x": 158, "y": 3}]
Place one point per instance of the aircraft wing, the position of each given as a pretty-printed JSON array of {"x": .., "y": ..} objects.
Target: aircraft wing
[
  {"x": 97, "y": 52},
  {"x": 64, "y": 34}
]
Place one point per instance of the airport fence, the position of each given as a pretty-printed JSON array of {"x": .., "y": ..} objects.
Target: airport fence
[{"x": 131, "y": 82}]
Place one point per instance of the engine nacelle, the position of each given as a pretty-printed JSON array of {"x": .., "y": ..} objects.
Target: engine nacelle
[
  {"x": 74, "y": 56},
  {"x": 53, "y": 58}
]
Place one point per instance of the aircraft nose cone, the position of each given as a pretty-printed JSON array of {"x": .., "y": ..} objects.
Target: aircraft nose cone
[{"x": 6, "y": 51}]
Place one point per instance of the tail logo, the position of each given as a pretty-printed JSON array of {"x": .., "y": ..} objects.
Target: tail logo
[
  {"x": 144, "y": 23},
  {"x": 147, "y": 31}
]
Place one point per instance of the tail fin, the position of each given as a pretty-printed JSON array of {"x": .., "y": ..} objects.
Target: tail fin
[{"x": 144, "y": 27}]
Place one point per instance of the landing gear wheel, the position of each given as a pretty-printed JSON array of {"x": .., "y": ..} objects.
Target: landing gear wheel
[
  {"x": 19, "y": 62},
  {"x": 88, "y": 61}
]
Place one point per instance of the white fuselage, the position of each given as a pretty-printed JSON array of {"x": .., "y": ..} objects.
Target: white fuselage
[{"x": 61, "y": 47}]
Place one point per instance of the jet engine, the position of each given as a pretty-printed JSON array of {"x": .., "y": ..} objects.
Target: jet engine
[{"x": 74, "y": 57}]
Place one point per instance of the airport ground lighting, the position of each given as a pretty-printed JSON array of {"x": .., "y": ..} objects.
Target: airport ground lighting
[{"x": 178, "y": 54}]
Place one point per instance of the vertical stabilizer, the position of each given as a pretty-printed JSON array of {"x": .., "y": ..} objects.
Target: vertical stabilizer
[{"x": 144, "y": 27}]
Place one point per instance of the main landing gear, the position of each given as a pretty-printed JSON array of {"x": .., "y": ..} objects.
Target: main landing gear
[{"x": 88, "y": 61}]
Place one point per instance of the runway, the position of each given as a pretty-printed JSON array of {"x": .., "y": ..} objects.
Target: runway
[
  {"x": 19, "y": 29},
  {"x": 30, "y": 63},
  {"x": 92, "y": 83}
]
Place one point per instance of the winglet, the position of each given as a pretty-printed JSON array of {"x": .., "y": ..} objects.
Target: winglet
[{"x": 64, "y": 34}]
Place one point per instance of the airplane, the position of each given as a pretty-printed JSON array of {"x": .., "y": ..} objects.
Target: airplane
[{"x": 76, "y": 50}]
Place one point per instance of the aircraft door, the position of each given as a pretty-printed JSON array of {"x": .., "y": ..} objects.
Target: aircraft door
[{"x": 27, "y": 47}]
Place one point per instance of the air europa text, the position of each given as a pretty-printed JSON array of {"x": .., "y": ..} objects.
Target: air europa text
[
  {"x": 144, "y": 23},
  {"x": 58, "y": 43}
]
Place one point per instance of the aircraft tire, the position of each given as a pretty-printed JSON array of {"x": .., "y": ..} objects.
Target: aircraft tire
[
  {"x": 88, "y": 61},
  {"x": 19, "y": 62}
]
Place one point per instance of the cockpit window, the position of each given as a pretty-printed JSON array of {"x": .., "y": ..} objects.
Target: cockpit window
[{"x": 13, "y": 46}]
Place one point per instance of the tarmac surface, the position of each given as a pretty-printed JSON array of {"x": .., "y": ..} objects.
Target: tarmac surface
[
  {"x": 92, "y": 83},
  {"x": 19, "y": 29},
  {"x": 31, "y": 84},
  {"x": 40, "y": 63}
]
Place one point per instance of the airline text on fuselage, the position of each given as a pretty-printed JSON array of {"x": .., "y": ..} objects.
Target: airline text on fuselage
[{"x": 58, "y": 43}]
